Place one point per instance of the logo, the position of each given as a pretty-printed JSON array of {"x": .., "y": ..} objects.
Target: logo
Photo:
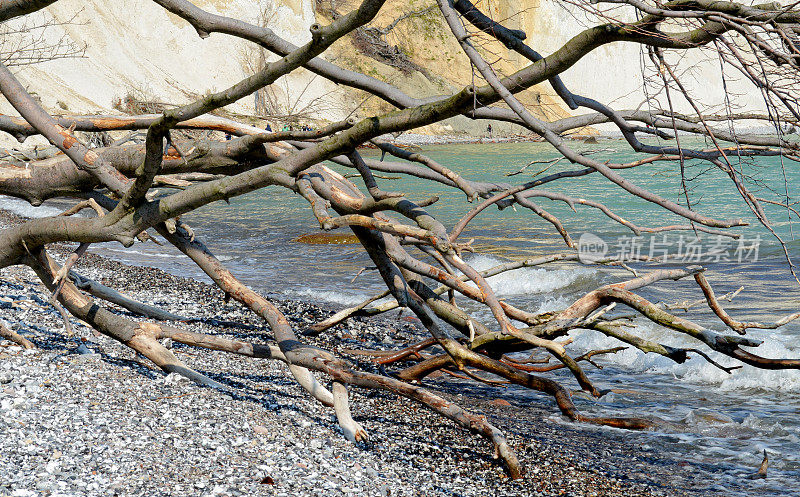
[{"x": 591, "y": 248}]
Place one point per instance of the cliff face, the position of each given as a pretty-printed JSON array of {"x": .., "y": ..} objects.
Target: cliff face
[{"x": 135, "y": 48}]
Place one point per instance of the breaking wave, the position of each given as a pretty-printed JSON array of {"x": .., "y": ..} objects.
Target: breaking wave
[
  {"x": 697, "y": 370},
  {"x": 24, "y": 209},
  {"x": 533, "y": 280}
]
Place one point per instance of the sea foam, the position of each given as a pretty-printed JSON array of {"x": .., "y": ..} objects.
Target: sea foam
[
  {"x": 532, "y": 280},
  {"x": 334, "y": 297},
  {"x": 24, "y": 209},
  {"x": 697, "y": 370}
]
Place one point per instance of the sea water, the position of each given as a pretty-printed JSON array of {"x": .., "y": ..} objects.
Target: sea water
[{"x": 719, "y": 422}]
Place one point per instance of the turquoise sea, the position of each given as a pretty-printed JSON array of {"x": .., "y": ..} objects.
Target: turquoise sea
[{"x": 717, "y": 421}]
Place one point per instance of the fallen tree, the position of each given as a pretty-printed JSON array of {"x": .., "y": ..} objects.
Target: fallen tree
[{"x": 418, "y": 257}]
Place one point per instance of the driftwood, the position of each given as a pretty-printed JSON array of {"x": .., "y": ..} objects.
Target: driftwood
[
  {"x": 110, "y": 295},
  {"x": 419, "y": 259},
  {"x": 15, "y": 337}
]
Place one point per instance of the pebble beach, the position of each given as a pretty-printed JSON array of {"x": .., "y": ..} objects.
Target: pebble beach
[{"x": 83, "y": 416}]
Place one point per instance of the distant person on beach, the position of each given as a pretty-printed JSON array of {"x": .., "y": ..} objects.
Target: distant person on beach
[
  {"x": 489, "y": 130},
  {"x": 268, "y": 128}
]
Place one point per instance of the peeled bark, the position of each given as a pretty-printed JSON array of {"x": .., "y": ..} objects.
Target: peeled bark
[{"x": 412, "y": 249}]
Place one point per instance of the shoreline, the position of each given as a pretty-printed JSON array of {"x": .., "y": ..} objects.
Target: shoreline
[
  {"x": 595, "y": 137},
  {"x": 266, "y": 424},
  {"x": 419, "y": 140}
]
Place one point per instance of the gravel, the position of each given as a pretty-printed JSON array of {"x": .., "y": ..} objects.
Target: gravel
[{"x": 97, "y": 420}]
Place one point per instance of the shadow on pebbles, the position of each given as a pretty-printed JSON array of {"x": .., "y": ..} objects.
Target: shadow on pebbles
[{"x": 106, "y": 423}]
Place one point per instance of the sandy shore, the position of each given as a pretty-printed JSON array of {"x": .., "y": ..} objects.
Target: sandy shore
[{"x": 104, "y": 423}]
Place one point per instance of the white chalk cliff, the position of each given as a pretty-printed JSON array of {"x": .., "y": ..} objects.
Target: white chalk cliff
[{"x": 135, "y": 47}]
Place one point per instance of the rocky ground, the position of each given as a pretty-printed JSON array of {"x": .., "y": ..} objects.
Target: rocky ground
[{"x": 92, "y": 419}]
